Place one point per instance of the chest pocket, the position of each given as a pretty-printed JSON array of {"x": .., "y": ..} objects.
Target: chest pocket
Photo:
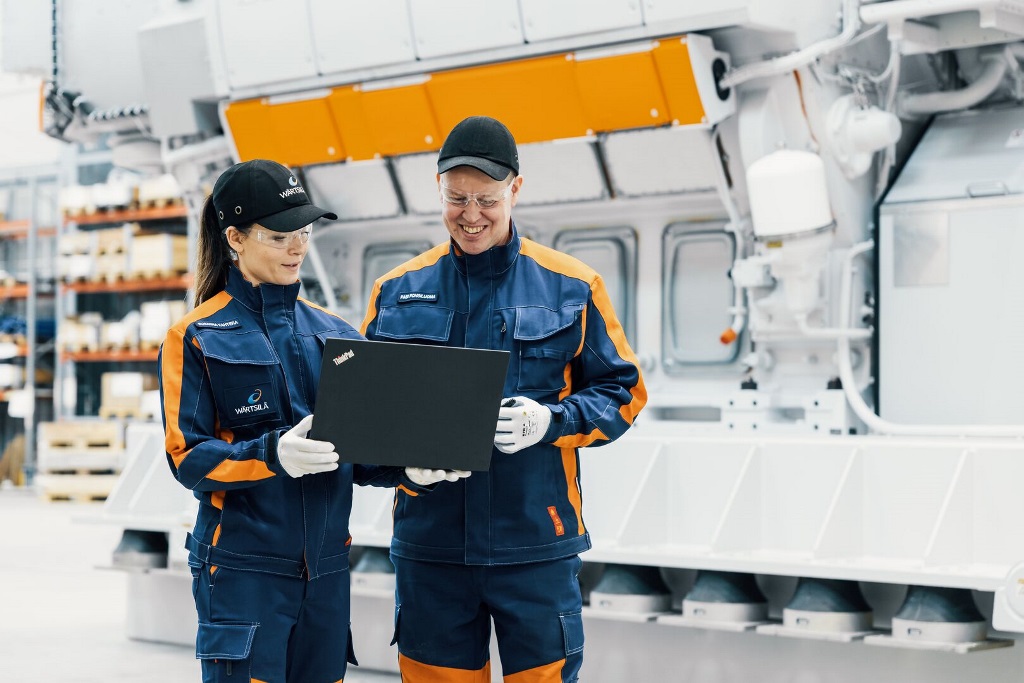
[
  {"x": 430, "y": 324},
  {"x": 546, "y": 340},
  {"x": 243, "y": 373}
]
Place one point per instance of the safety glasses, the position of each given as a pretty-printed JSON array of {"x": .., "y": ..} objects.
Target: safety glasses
[
  {"x": 282, "y": 240},
  {"x": 485, "y": 200}
]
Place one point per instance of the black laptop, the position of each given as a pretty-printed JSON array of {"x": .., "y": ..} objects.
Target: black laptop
[{"x": 385, "y": 403}]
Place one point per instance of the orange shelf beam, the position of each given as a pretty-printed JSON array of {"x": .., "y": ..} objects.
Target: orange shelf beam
[
  {"x": 109, "y": 356},
  {"x": 19, "y": 230},
  {"x": 154, "y": 285},
  {"x": 20, "y": 291},
  {"x": 128, "y": 215}
]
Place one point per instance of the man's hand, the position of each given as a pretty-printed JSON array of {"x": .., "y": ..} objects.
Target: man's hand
[
  {"x": 300, "y": 456},
  {"x": 522, "y": 422},
  {"x": 425, "y": 477}
]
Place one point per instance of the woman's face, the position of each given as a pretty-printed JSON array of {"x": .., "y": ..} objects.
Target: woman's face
[{"x": 268, "y": 256}]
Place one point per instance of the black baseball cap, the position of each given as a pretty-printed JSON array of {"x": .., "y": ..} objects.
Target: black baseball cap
[
  {"x": 483, "y": 143},
  {"x": 264, "y": 192}
]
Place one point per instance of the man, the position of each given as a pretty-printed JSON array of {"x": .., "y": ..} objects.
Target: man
[{"x": 503, "y": 544}]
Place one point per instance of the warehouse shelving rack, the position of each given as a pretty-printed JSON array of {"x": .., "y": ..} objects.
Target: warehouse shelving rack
[
  {"x": 152, "y": 216},
  {"x": 21, "y": 233}
]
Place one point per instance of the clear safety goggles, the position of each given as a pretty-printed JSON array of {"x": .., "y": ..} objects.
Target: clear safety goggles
[
  {"x": 485, "y": 200},
  {"x": 282, "y": 240}
]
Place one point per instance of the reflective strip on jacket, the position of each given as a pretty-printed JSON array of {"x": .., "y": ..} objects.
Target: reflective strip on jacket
[
  {"x": 235, "y": 374},
  {"x": 568, "y": 351}
]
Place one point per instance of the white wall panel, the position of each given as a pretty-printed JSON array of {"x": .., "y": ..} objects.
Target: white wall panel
[
  {"x": 25, "y": 37},
  {"x": 266, "y": 41},
  {"x": 355, "y": 190},
  {"x": 705, "y": 15},
  {"x": 98, "y": 50},
  {"x": 546, "y": 19},
  {"x": 358, "y": 35},
  {"x": 416, "y": 177},
  {"x": 686, "y": 157},
  {"x": 447, "y": 27},
  {"x": 563, "y": 171}
]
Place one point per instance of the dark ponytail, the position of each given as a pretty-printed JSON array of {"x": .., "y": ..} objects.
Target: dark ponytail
[{"x": 213, "y": 258}]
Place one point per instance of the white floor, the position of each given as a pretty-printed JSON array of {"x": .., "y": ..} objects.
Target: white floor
[{"x": 61, "y": 618}]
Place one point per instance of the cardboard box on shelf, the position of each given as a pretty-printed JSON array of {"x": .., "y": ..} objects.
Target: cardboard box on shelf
[
  {"x": 161, "y": 255},
  {"x": 121, "y": 393},
  {"x": 157, "y": 318},
  {"x": 81, "y": 333}
]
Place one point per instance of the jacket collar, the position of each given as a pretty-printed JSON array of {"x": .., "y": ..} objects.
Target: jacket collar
[
  {"x": 491, "y": 263},
  {"x": 262, "y": 296}
]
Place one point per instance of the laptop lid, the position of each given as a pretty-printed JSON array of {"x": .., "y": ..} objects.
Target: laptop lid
[{"x": 386, "y": 403}]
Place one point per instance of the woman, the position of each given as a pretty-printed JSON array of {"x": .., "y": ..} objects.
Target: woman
[{"x": 239, "y": 374}]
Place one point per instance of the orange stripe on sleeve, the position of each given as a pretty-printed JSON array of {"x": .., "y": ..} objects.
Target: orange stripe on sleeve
[
  {"x": 172, "y": 366},
  {"x": 247, "y": 470},
  {"x": 572, "y": 485}
]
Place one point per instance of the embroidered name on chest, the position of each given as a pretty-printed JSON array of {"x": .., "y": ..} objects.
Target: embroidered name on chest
[
  {"x": 224, "y": 325},
  {"x": 405, "y": 297}
]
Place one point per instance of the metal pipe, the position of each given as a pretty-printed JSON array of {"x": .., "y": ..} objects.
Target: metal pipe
[
  {"x": 800, "y": 58},
  {"x": 955, "y": 100},
  {"x": 30, "y": 334}
]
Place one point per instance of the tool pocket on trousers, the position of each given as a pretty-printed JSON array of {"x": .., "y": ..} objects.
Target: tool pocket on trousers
[
  {"x": 225, "y": 649},
  {"x": 572, "y": 631}
]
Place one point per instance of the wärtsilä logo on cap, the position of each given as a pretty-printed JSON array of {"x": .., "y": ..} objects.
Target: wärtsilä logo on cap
[{"x": 294, "y": 189}]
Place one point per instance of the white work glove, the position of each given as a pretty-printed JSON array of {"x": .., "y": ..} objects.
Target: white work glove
[
  {"x": 522, "y": 422},
  {"x": 300, "y": 456},
  {"x": 425, "y": 477}
]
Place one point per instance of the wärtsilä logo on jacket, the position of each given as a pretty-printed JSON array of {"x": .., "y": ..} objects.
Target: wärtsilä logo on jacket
[{"x": 254, "y": 404}]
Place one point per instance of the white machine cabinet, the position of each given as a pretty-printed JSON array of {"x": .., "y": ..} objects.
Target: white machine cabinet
[{"x": 951, "y": 242}]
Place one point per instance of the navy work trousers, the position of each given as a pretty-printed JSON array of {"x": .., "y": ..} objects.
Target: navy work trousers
[
  {"x": 256, "y": 626},
  {"x": 443, "y": 616}
]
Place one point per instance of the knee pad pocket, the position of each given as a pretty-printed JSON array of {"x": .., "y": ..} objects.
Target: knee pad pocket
[
  {"x": 572, "y": 631},
  {"x": 225, "y": 648}
]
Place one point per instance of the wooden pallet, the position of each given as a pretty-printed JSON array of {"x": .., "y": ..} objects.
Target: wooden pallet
[
  {"x": 119, "y": 346},
  {"x": 76, "y": 487},
  {"x": 110, "y": 277},
  {"x": 79, "y": 461},
  {"x": 81, "y": 436},
  {"x": 75, "y": 497},
  {"x": 157, "y": 274},
  {"x": 161, "y": 202},
  {"x": 78, "y": 348},
  {"x": 126, "y": 413}
]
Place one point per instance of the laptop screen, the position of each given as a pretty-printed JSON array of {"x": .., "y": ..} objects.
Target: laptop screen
[{"x": 386, "y": 403}]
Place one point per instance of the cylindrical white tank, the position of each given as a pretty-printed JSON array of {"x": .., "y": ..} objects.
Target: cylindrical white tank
[{"x": 788, "y": 194}]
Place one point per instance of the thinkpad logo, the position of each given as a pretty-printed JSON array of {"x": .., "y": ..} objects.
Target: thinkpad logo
[{"x": 338, "y": 360}]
